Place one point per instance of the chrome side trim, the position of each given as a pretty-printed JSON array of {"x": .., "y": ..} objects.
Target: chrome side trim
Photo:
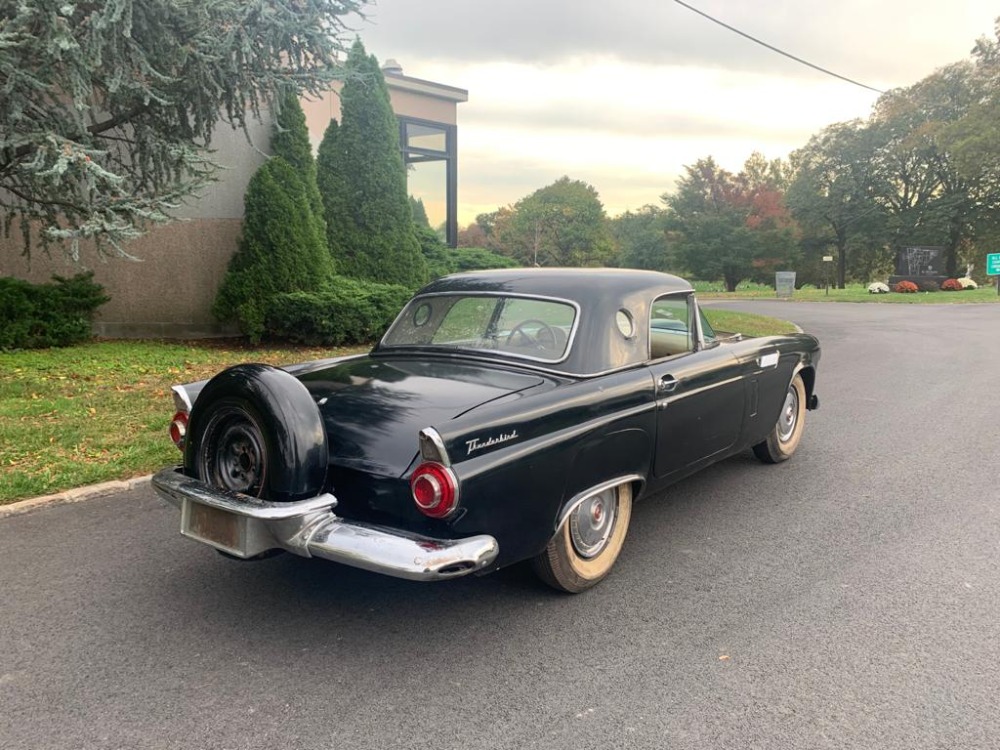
[
  {"x": 309, "y": 528},
  {"x": 432, "y": 447},
  {"x": 577, "y": 499},
  {"x": 182, "y": 399}
]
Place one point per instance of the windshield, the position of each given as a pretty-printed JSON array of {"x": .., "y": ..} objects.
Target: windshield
[{"x": 524, "y": 327}]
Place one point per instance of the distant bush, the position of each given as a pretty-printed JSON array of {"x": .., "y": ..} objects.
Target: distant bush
[
  {"x": 443, "y": 260},
  {"x": 877, "y": 287},
  {"x": 967, "y": 283},
  {"x": 346, "y": 311},
  {"x": 478, "y": 259},
  {"x": 435, "y": 251},
  {"x": 951, "y": 285},
  {"x": 905, "y": 287},
  {"x": 35, "y": 316}
]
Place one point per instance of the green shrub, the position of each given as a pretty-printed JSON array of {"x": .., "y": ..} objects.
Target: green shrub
[
  {"x": 362, "y": 179},
  {"x": 346, "y": 311},
  {"x": 437, "y": 255},
  {"x": 478, "y": 259},
  {"x": 282, "y": 249},
  {"x": 290, "y": 141},
  {"x": 34, "y": 316}
]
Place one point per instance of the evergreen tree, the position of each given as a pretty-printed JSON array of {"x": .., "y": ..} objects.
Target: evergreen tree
[
  {"x": 107, "y": 108},
  {"x": 419, "y": 212},
  {"x": 377, "y": 242},
  {"x": 281, "y": 249},
  {"x": 290, "y": 141},
  {"x": 334, "y": 190}
]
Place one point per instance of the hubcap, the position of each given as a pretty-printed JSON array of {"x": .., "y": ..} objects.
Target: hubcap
[
  {"x": 789, "y": 415},
  {"x": 233, "y": 455},
  {"x": 592, "y": 521}
]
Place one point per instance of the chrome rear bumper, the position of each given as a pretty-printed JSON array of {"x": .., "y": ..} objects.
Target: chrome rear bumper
[{"x": 246, "y": 526}]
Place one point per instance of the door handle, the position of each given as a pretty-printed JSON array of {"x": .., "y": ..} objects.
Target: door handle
[{"x": 668, "y": 383}]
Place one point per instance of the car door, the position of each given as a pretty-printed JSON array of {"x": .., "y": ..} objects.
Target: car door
[{"x": 700, "y": 394}]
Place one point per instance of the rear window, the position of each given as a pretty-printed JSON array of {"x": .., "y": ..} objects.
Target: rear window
[{"x": 523, "y": 327}]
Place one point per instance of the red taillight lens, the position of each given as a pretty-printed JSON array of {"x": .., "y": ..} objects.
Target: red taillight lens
[
  {"x": 435, "y": 489},
  {"x": 178, "y": 428}
]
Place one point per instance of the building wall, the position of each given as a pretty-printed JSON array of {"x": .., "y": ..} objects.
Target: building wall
[{"x": 169, "y": 289}]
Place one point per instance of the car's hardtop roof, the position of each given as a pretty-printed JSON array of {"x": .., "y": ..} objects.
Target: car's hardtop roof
[
  {"x": 598, "y": 345},
  {"x": 582, "y": 285}
]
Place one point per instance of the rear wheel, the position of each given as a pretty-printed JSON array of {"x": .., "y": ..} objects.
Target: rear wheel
[
  {"x": 588, "y": 543},
  {"x": 787, "y": 431}
]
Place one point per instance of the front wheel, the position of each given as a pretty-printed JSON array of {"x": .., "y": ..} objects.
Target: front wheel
[
  {"x": 787, "y": 431},
  {"x": 588, "y": 543}
]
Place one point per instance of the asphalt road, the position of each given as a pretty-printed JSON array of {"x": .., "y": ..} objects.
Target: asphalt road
[{"x": 846, "y": 599}]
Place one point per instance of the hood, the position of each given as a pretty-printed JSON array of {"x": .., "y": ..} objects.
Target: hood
[{"x": 374, "y": 408}]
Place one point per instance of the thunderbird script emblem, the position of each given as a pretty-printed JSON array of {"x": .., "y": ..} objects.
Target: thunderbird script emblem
[{"x": 476, "y": 444}]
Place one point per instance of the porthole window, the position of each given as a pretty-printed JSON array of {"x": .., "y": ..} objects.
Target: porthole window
[
  {"x": 626, "y": 326},
  {"x": 421, "y": 315}
]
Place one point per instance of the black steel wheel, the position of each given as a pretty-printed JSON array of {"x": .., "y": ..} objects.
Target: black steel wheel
[
  {"x": 234, "y": 452},
  {"x": 256, "y": 430}
]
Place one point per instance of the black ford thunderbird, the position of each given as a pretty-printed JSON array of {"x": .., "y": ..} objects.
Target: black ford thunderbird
[{"x": 505, "y": 416}]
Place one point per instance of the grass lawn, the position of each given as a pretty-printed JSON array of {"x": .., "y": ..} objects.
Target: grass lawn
[
  {"x": 99, "y": 411},
  {"x": 853, "y": 293}
]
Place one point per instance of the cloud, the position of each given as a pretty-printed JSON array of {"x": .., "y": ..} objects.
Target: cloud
[
  {"x": 623, "y": 96},
  {"x": 886, "y": 44}
]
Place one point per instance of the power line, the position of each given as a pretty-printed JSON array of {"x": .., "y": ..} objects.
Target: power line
[{"x": 775, "y": 49}]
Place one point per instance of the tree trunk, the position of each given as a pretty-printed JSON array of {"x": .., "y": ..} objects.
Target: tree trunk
[{"x": 841, "y": 258}]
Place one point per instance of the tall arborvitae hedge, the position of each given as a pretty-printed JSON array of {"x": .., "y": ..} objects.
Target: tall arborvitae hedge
[
  {"x": 282, "y": 248},
  {"x": 290, "y": 141},
  {"x": 376, "y": 239},
  {"x": 334, "y": 189}
]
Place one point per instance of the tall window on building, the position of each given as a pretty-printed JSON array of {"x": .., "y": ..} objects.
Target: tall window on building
[{"x": 429, "y": 150}]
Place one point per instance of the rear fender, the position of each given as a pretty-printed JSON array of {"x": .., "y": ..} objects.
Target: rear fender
[{"x": 607, "y": 461}]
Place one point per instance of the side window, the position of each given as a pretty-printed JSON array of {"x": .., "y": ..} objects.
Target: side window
[{"x": 671, "y": 326}]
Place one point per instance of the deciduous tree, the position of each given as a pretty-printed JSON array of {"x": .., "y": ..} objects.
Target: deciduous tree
[
  {"x": 562, "y": 224},
  {"x": 729, "y": 226}
]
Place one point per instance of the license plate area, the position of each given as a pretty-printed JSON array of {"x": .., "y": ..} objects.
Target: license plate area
[{"x": 237, "y": 535}]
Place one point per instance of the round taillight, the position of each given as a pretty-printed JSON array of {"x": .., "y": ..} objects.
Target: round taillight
[
  {"x": 178, "y": 428},
  {"x": 435, "y": 489}
]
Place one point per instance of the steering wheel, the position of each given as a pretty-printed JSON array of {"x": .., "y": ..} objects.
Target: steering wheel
[{"x": 536, "y": 341}]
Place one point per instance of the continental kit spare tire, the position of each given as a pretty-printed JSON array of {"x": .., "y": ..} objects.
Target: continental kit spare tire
[{"x": 255, "y": 429}]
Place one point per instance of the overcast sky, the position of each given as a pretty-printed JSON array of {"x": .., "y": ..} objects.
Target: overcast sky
[{"x": 623, "y": 95}]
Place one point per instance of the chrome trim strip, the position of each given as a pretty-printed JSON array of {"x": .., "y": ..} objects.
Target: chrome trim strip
[
  {"x": 432, "y": 447},
  {"x": 575, "y": 502},
  {"x": 684, "y": 394},
  {"x": 182, "y": 400},
  {"x": 309, "y": 528}
]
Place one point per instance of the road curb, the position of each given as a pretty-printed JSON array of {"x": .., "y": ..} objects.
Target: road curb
[{"x": 73, "y": 496}]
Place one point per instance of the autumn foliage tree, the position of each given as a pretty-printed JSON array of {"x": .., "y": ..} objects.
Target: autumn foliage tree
[{"x": 730, "y": 227}]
